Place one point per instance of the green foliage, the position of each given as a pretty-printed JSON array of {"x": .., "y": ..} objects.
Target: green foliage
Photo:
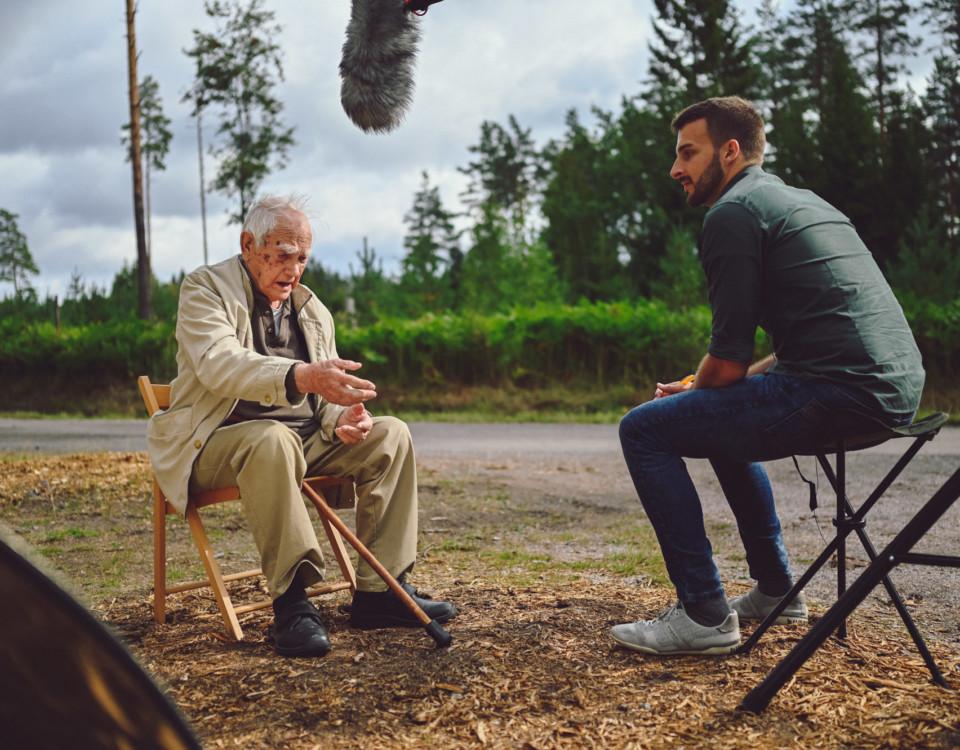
[
  {"x": 681, "y": 282},
  {"x": 498, "y": 276},
  {"x": 155, "y": 127},
  {"x": 937, "y": 330},
  {"x": 370, "y": 288},
  {"x": 237, "y": 69},
  {"x": 114, "y": 349},
  {"x": 928, "y": 266},
  {"x": 582, "y": 216},
  {"x": 329, "y": 286},
  {"x": 589, "y": 343}
]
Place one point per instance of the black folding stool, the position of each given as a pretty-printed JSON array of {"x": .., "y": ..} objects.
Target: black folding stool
[
  {"x": 847, "y": 520},
  {"x": 895, "y": 553}
]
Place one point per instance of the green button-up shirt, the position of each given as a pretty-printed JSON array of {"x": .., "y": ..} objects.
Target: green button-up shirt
[{"x": 786, "y": 260}]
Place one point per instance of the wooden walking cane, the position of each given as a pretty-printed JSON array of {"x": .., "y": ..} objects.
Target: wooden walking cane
[{"x": 434, "y": 629}]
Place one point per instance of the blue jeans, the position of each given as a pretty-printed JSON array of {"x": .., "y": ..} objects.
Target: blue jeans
[{"x": 762, "y": 417}]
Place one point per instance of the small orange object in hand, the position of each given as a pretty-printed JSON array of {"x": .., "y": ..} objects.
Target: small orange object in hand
[{"x": 688, "y": 380}]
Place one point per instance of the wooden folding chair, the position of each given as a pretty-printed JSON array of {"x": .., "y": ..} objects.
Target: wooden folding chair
[{"x": 156, "y": 397}]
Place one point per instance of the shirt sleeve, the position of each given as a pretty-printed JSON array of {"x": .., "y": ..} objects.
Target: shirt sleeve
[{"x": 731, "y": 254}]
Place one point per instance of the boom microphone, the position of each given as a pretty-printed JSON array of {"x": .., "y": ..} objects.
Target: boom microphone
[{"x": 378, "y": 60}]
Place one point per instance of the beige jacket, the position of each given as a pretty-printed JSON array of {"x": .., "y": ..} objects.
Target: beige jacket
[{"x": 217, "y": 366}]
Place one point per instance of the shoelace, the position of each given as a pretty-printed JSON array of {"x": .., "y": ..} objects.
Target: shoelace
[{"x": 667, "y": 614}]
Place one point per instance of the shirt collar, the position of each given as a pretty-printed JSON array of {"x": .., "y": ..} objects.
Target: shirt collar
[{"x": 749, "y": 169}]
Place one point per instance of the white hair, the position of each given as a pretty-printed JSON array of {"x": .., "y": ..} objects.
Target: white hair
[{"x": 262, "y": 216}]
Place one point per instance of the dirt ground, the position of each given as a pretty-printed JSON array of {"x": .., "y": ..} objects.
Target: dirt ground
[{"x": 541, "y": 556}]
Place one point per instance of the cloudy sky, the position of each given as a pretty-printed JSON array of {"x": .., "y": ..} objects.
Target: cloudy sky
[{"x": 63, "y": 99}]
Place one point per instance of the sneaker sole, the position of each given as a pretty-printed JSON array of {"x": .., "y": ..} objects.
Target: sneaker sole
[
  {"x": 781, "y": 620},
  {"x": 712, "y": 651}
]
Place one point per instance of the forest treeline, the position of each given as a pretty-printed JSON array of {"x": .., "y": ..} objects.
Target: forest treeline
[{"x": 590, "y": 226}]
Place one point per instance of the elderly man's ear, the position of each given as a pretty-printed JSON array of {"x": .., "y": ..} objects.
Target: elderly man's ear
[{"x": 247, "y": 243}]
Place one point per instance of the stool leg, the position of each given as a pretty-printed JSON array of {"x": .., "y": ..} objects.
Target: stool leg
[
  {"x": 901, "y": 608},
  {"x": 758, "y": 698},
  {"x": 842, "y": 537}
]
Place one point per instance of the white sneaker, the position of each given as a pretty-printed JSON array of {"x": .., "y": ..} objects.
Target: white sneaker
[
  {"x": 755, "y": 605},
  {"x": 674, "y": 632}
]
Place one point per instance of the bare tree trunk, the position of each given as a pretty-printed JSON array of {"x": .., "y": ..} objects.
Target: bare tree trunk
[
  {"x": 143, "y": 257},
  {"x": 149, "y": 212},
  {"x": 203, "y": 187}
]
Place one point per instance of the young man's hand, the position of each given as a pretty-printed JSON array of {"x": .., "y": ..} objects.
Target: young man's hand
[
  {"x": 354, "y": 425},
  {"x": 677, "y": 386}
]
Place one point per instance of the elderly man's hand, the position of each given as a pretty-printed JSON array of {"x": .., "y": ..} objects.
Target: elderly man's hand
[
  {"x": 354, "y": 424},
  {"x": 331, "y": 380}
]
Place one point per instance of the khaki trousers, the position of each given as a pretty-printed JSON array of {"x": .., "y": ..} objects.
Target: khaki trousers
[{"x": 268, "y": 462}]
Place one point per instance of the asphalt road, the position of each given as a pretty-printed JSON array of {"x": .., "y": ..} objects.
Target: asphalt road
[{"x": 485, "y": 441}]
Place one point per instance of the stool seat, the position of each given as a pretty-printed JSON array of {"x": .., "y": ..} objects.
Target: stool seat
[{"x": 875, "y": 433}]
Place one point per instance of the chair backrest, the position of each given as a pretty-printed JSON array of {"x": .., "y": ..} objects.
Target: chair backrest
[{"x": 155, "y": 396}]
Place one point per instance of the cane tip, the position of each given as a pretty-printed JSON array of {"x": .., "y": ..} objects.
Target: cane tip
[{"x": 440, "y": 636}]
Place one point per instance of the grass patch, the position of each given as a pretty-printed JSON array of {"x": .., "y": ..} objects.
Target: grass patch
[{"x": 72, "y": 533}]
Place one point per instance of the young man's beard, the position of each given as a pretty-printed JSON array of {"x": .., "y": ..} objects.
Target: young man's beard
[{"x": 706, "y": 186}]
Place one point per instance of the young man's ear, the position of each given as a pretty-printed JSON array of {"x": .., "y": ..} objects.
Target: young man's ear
[{"x": 731, "y": 150}]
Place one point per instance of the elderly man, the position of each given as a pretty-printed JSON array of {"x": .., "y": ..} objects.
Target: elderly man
[
  {"x": 844, "y": 358},
  {"x": 261, "y": 400}
]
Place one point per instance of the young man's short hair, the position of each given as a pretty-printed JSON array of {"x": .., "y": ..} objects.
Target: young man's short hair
[{"x": 728, "y": 117}]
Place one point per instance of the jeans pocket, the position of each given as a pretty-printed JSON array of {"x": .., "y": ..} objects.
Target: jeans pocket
[{"x": 802, "y": 430}]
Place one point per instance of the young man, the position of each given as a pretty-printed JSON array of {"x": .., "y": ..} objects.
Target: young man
[
  {"x": 783, "y": 259},
  {"x": 261, "y": 400}
]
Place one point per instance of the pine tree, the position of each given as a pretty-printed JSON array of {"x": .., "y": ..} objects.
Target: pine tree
[
  {"x": 16, "y": 262},
  {"x": 507, "y": 175},
  {"x": 432, "y": 245},
  {"x": 824, "y": 136},
  {"x": 579, "y": 209},
  {"x": 699, "y": 50},
  {"x": 367, "y": 285},
  {"x": 155, "y": 139},
  {"x": 238, "y": 67},
  {"x": 887, "y": 43},
  {"x": 941, "y": 102}
]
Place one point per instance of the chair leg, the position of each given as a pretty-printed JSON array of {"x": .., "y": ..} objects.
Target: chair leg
[
  {"x": 159, "y": 555},
  {"x": 213, "y": 574},
  {"x": 340, "y": 552}
]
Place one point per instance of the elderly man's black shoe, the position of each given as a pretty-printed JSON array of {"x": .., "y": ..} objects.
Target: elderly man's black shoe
[
  {"x": 383, "y": 609},
  {"x": 299, "y": 631}
]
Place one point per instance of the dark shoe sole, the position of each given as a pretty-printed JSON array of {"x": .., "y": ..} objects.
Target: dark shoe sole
[
  {"x": 314, "y": 649},
  {"x": 303, "y": 651}
]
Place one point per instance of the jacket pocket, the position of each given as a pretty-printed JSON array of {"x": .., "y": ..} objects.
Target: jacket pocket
[{"x": 169, "y": 424}]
